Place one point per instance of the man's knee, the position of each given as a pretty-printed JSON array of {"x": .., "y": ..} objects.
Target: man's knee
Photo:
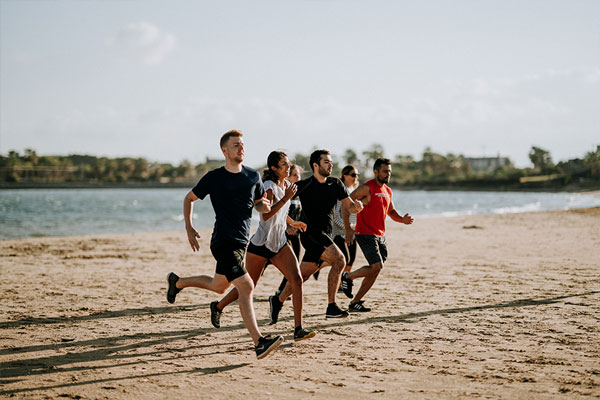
[
  {"x": 244, "y": 284},
  {"x": 376, "y": 268},
  {"x": 338, "y": 261}
]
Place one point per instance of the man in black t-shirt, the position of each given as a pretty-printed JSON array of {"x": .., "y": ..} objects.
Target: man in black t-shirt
[
  {"x": 319, "y": 195},
  {"x": 234, "y": 191}
]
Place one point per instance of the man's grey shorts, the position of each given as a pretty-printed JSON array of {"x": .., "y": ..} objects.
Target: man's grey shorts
[{"x": 373, "y": 247}]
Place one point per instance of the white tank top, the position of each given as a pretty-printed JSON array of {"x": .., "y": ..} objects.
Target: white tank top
[{"x": 271, "y": 233}]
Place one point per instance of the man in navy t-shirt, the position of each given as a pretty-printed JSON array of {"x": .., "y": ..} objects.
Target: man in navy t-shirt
[{"x": 234, "y": 191}]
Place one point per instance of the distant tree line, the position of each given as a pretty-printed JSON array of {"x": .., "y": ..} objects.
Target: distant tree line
[
  {"x": 433, "y": 169},
  {"x": 30, "y": 167}
]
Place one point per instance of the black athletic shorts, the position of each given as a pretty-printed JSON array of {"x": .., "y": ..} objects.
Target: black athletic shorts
[
  {"x": 314, "y": 245},
  {"x": 230, "y": 259},
  {"x": 373, "y": 247},
  {"x": 261, "y": 251},
  {"x": 349, "y": 252}
]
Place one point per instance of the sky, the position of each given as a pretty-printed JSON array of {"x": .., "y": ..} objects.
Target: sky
[{"x": 165, "y": 79}]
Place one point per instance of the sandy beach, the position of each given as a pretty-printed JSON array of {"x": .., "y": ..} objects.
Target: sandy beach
[{"x": 496, "y": 306}]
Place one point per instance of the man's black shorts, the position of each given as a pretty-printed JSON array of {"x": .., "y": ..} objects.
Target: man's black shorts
[
  {"x": 373, "y": 247},
  {"x": 230, "y": 259},
  {"x": 314, "y": 245}
]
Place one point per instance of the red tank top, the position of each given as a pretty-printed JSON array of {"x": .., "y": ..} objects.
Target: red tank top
[{"x": 371, "y": 220}]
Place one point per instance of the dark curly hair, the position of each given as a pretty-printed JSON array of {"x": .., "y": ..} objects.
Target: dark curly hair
[{"x": 272, "y": 161}]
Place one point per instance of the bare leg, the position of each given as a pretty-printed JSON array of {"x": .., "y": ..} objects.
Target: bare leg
[
  {"x": 245, "y": 288},
  {"x": 333, "y": 256},
  {"x": 369, "y": 273},
  {"x": 306, "y": 270},
  {"x": 255, "y": 266},
  {"x": 287, "y": 263},
  {"x": 218, "y": 283}
]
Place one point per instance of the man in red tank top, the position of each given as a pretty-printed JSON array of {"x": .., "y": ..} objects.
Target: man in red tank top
[{"x": 376, "y": 197}]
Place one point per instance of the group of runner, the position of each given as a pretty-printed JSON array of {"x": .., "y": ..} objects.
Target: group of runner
[{"x": 235, "y": 190}]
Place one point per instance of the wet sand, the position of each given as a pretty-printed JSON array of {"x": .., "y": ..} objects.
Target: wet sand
[{"x": 501, "y": 306}]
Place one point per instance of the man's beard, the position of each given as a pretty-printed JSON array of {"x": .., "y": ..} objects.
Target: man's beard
[
  {"x": 324, "y": 172},
  {"x": 386, "y": 180}
]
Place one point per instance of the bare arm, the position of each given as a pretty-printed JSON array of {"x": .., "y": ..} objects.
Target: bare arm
[
  {"x": 354, "y": 203},
  {"x": 301, "y": 226},
  {"x": 352, "y": 206},
  {"x": 192, "y": 233},
  {"x": 405, "y": 219},
  {"x": 263, "y": 205},
  {"x": 361, "y": 194},
  {"x": 349, "y": 229},
  {"x": 290, "y": 191}
]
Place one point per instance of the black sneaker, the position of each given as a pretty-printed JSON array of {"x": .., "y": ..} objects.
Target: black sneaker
[
  {"x": 333, "y": 311},
  {"x": 274, "y": 309},
  {"x": 358, "y": 307},
  {"x": 301, "y": 334},
  {"x": 347, "y": 285},
  {"x": 215, "y": 314},
  {"x": 267, "y": 345},
  {"x": 172, "y": 290}
]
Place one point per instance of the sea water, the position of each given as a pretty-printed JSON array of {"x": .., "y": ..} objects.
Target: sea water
[{"x": 59, "y": 212}]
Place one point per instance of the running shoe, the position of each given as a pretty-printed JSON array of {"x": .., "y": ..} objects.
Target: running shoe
[
  {"x": 215, "y": 314},
  {"x": 358, "y": 307},
  {"x": 301, "y": 334},
  {"x": 347, "y": 285},
  {"x": 172, "y": 290},
  {"x": 274, "y": 309},
  {"x": 333, "y": 311},
  {"x": 267, "y": 345}
]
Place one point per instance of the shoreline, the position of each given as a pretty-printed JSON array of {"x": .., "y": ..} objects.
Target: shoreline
[{"x": 428, "y": 217}]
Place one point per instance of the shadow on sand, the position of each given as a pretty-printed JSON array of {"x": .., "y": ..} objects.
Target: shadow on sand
[{"x": 114, "y": 349}]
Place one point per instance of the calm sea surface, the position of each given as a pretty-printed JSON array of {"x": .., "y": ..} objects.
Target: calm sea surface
[{"x": 59, "y": 212}]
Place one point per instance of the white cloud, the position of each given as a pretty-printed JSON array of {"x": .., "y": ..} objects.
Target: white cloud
[
  {"x": 472, "y": 117},
  {"x": 143, "y": 42}
]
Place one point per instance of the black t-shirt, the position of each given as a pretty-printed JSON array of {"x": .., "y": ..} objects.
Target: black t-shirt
[
  {"x": 318, "y": 202},
  {"x": 232, "y": 197},
  {"x": 295, "y": 210}
]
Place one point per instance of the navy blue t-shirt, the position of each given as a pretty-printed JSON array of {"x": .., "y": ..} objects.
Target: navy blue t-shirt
[{"x": 232, "y": 197}]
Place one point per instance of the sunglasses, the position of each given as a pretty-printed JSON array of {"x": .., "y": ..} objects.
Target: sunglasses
[{"x": 354, "y": 174}]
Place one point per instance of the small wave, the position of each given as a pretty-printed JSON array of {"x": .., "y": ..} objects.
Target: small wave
[
  {"x": 530, "y": 207},
  {"x": 445, "y": 214}
]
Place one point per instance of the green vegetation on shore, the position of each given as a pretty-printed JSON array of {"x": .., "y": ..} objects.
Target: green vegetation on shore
[{"x": 433, "y": 170}]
